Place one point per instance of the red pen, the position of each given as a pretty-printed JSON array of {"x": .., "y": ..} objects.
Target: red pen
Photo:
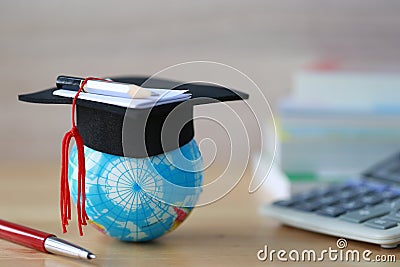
[{"x": 41, "y": 241}]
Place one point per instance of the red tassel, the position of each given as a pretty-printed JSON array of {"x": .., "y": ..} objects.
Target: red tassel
[{"x": 65, "y": 198}]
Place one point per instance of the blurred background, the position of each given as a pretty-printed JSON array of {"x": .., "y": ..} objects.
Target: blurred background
[{"x": 270, "y": 41}]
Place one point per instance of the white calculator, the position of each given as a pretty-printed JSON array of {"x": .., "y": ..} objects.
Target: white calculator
[{"x": 366, "y": 209}]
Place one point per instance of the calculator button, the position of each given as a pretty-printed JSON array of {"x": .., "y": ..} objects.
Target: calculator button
[
  {"x": 351, "y": 205},
  {"x": 307, "y": 206},
  {"x": 390, "y": 194},
  {"x": 394, "y": 216},
  {"x": 394, "y": 204},
  {"x": 328, "y": 200},
  {"x": 331, "y": 211},
  {"x": 284, "y": 203},
  {"x": 363, "y": 190},
  {"x": 371, "y": 199},
  {"x": 381, "y": 223},
  {"x": 362, "y": 215},
  {"x": 345, "y": 194},
  {"x": 376, "y": 186}
]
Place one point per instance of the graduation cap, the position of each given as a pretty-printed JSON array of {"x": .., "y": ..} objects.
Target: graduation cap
[
  {"x": 134, "y": 133},
  {"x": 100, "y": 124}
]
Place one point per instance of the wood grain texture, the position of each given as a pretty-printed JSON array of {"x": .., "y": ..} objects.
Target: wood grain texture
[{"x": 226, "y": 233}]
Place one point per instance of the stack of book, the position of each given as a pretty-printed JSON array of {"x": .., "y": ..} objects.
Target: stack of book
[{"x": 338, "y": 121}]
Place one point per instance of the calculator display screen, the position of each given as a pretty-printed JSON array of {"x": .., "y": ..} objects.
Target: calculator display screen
[{"x": 387, "y": 170}]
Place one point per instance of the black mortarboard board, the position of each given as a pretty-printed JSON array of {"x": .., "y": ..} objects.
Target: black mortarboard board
[{"x": 101, "y": 125}]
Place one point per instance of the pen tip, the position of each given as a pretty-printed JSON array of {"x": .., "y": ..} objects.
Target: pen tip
[{"x": 91, "y": 256}]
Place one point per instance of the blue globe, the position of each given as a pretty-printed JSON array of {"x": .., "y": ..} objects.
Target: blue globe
[{"x": 139, "y": 199}]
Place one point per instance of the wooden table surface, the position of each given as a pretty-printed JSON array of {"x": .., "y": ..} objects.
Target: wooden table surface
[{"x": 226, "y": 233}]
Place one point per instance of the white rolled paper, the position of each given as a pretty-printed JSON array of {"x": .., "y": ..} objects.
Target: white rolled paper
[{"x": 124, "y": 90}]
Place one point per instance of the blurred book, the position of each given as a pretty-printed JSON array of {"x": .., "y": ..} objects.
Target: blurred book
[
  {"x": 332, "y": 85},
  {"x": 338, "y": 121}
]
